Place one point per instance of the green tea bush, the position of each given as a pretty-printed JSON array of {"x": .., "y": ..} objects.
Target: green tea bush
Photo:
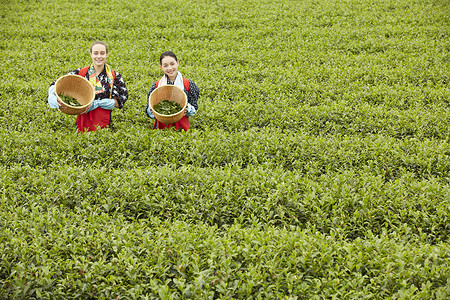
[
  {"x": 317, "y": 166},
  {"x": 350, "y": 202},
  {"x": 101, "y": 256}
]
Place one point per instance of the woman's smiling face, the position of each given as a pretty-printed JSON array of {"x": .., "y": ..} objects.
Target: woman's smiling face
[
  {"x": 170, "y": 67},
  {"x": 99, "y": 54}
]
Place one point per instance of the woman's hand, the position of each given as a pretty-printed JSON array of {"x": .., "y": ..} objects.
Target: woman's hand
[{"x": 190, "y": 110}]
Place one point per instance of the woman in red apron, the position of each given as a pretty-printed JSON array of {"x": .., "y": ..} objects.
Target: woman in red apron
[
  {"x": 169, "y": 65},
  {"x": 110, "y": 91}
]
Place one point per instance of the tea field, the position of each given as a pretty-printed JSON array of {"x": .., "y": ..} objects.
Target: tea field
[{"x": 317, "y": 167}]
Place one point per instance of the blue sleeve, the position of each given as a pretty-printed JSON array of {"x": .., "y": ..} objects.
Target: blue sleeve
[
  {"x": 149, "y": 112},
  {"x": 103, "y": 103},
  {"x": 52, "y": 99}
]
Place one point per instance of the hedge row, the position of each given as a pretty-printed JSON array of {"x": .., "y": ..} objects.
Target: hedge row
[
  {"x": 54, "y": 252},
  {"x": 305, "y": 153},
  {"x": 351, "y": 203}
]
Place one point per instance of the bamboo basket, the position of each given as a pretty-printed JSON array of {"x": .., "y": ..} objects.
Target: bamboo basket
[
  {"x": 171, "y": 93},
  {"x": 77, "y": 87}
]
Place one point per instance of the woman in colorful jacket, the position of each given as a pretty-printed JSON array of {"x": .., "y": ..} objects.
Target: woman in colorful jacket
[
  {"x": 169, "y": 64},
  {"x": 110, "y": 91}
]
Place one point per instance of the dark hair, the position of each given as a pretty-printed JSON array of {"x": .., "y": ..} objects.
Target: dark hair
[
  {"x": 167, "y": 53},
  {"x": 101, "y": 43}
]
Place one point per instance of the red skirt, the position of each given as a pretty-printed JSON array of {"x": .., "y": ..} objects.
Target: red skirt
[
  {"x": 182, "y": 124},
  {"x": 97, "y": 118}
]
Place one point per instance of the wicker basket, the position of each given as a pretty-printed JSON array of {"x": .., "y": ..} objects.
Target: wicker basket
[
  {"x": 171, "y": 93},
  {"x": 77, "y": 87}
]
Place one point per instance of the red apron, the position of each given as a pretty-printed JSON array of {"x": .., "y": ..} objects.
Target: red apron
[
  {"x": 182, "y": 124},
  {"x": 97, "y": 118}
]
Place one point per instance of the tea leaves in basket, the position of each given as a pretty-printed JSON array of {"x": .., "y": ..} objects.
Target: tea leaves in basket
[
  {"x": 167, "y": 107},
  {"x": 69, "y": 100}
]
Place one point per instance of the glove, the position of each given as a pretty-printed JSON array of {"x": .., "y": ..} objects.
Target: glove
[
  {"x": 149, "y": 113},
  {"x": 52, "y": 99},
  {"x": 103, "y": 103},
  {"x": 190, "y": 111}
]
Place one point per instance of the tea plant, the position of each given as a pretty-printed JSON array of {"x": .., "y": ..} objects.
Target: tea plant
[{"x": 317, "y": 165}]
